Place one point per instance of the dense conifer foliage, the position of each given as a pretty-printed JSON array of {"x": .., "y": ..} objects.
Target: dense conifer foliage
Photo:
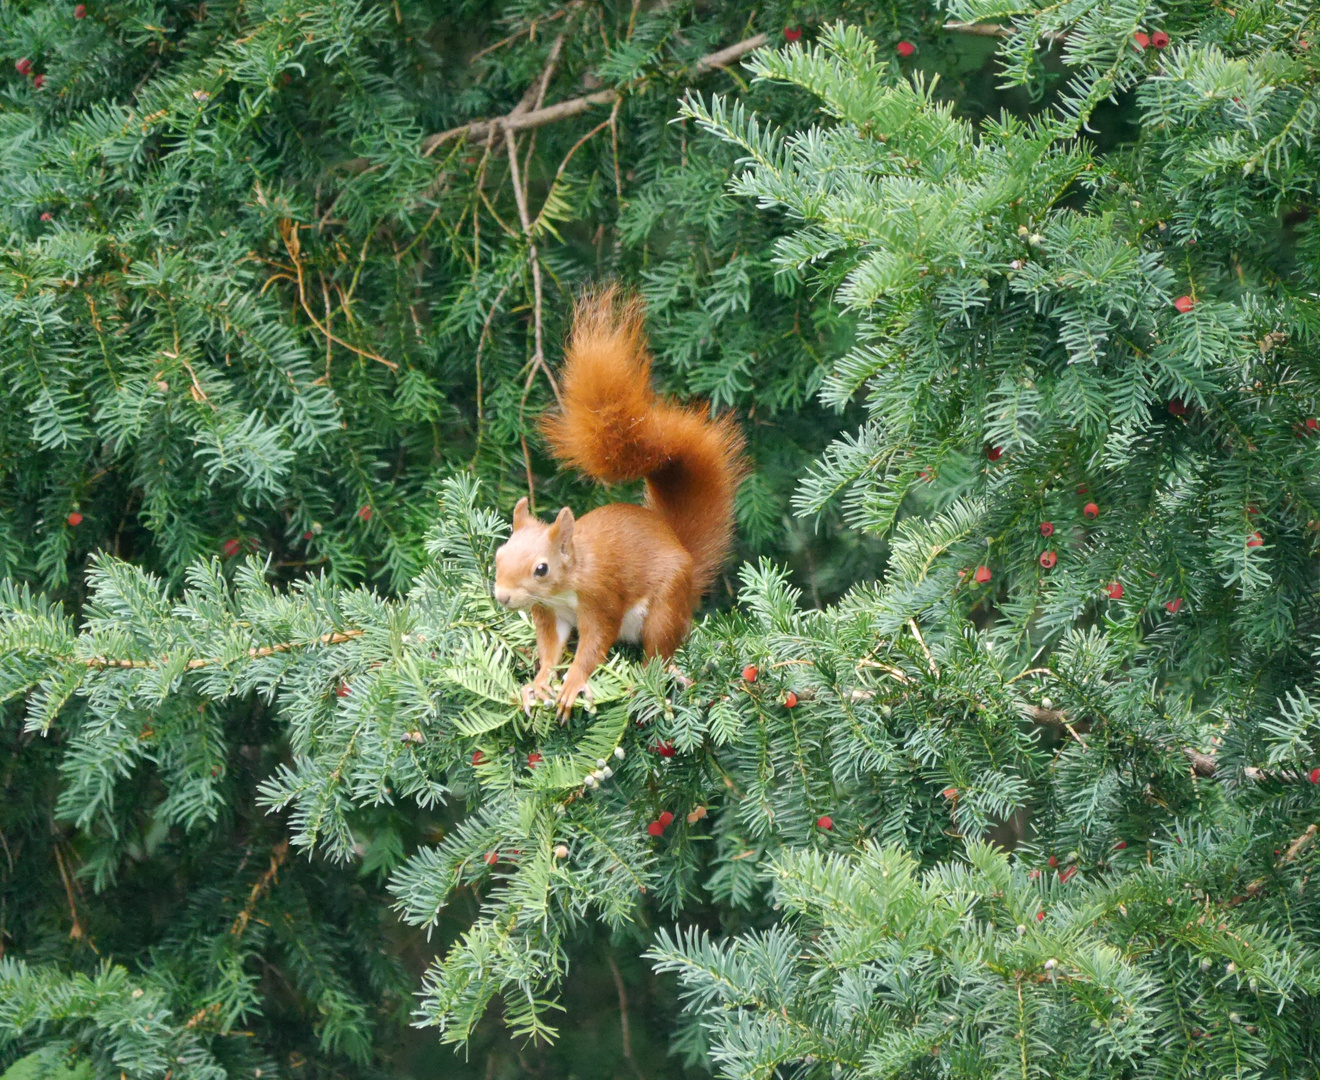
[{"x": 998, "y": 752}]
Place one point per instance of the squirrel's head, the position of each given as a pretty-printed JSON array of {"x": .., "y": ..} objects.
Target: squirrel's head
[{"x": 535, "y": 564}]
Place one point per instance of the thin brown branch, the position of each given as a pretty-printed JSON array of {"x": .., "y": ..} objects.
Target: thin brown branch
[
  {"x": 1294, "y": 849},
  {"x": 916, "y": 633},
  {"x": 481, "y": 343},
  {"x": 531, "y": 26},
  {"x": 533, "y": 257},
  {"x": 269, "y": 876},
  {"x": 559, "y": 173},
  {"x": 77, "y": 932},
  {"x": 624, "y": 1030},
  {"x": 995, "y": 30},
  {"x": 289, "y": 233},
  {"x": 1300, "y": 844},
  {"x": 563, "y": 110},
  {"x": 1055, "y": 718},
  {"x": 101, "y": 662}
]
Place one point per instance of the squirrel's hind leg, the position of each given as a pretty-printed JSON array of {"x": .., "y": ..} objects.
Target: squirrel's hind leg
[{"x": 668, "y": 619}]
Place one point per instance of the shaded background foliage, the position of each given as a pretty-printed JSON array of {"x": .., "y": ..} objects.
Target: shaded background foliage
[
  {"x": 243, "y": 313},
  {"x": 249, "y": 307}
]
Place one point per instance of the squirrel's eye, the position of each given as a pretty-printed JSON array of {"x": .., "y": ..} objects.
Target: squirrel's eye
[{"x": 541, "y": 569}]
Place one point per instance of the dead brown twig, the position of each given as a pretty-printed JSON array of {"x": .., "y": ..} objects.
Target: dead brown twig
[
  {"x": 289, "y": 233},
  {"x": 269, "y": 876}
]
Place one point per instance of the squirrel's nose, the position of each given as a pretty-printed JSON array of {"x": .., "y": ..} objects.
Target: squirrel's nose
[{"x": 502, "y": 596}]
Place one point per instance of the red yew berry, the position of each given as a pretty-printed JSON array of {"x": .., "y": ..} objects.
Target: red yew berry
[
  {"x": 1034, "y": 875},
  {"x": 1177, "y": 408},
  {"x": 905, "y": 49},
  {"x": 1040, "y": 916},
  {"x": 1312, "y": 424},
  {"x": 1140, "y": 41},
  {"x": 1091, "y": 510},
  {"x": 665, "y": 819},
  {"x": 1184, "y": 304},
  {"x": 343, "y": 690},
  {"x": 950, "y": 792},
  {"x": 232, "y": 547},
  {"x": 1159, "y": 39},
  {"x": 478, "y": 757},
  {"x": 1115, "y": 590},
  {"x": 655, "y": 829},
  {"x": 665, "y": 749},
  {"x": 1315, "y": 776},
  {"x": 80, "y": 11},
  {"x": 47, "y": 216},
  {"x": 1047, "y": 528},
  {"x": 1173, "y": 605},
  {"x": 792, "y": 33},
  {"x": 1120, "y": 845},
  {"x": 1254, "y": 540},
  {"x": 492, "y": 858},
  {"x": 1082, "y": 489},
  {"x": 23, "y": 66},
  {"x": 533, "y": 760},
  {"x": 749, "y": 673},
  {"x": 74, "y": 519},
  {"x": 1063, "y": 878},
  {"x": 825, "y": 822},
  {"x": 1048, "y": 559},
  {"x": 790, "y": 700},
  {"x": 38, "y": 81},
  {"x": 365, "y": 513},
  {"x": 982, "y": 575},
  {"x": 1053, "y": 861},
  {"x": 994, "y": 453}
]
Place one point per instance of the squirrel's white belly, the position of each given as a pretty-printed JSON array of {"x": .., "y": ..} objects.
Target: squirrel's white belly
[
  {"x": 565, "y": 608},
  {"x": 566, "y": 617},
  {"x": 631, "y": 627}
]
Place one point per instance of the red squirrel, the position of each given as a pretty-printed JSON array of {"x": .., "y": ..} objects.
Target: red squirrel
[{"x": 623, "y": 571}]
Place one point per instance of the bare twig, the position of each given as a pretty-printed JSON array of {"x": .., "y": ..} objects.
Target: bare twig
[
  {"x": 289, "y": 233},
  {"x": 916, "y": 633},
  {"x": 624, "y": 1031},
  {"x": 1294, "y": 849},
  {"x": 481, "y": 343},
  {"x": 1300, "y": 844},
  {"x": 563, "y": 165},
  {"x": 519, "y": 33},
  {"x": 100, "y": 662},
  {"x": 995, "y": 30},
  {"x": 1202, "y": 764},
  {"x": 533, "y": 256},
  {"x": 269, "y": 876},
  {"x": 522, "y": 121},
  {"x": 77, "y": 932}
]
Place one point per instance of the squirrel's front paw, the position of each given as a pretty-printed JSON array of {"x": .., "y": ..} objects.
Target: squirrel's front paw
[
  {"x": 536, "y": 691},
  {"x": 574, "y": 686}
]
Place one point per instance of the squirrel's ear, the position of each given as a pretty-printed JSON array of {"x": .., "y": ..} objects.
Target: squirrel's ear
[
  {"x": 561, "y": 531},
  {"x": 520, "y": 514}
]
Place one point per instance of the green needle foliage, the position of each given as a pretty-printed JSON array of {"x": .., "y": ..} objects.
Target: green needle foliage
[{"x": 1000, "y": 755}]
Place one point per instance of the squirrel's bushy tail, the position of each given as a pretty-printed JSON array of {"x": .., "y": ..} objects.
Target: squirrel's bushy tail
[{"x": 613, "y": 428}]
